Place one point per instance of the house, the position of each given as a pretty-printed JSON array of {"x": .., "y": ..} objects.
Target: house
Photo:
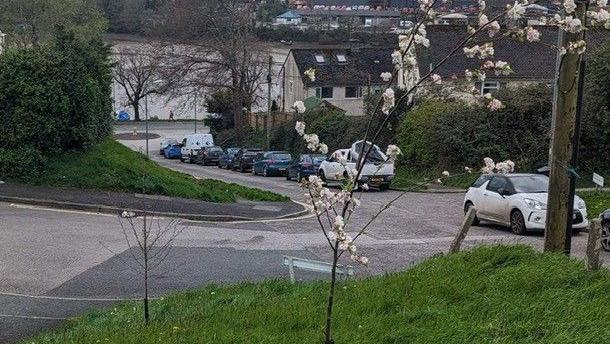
[
  {"x": 532, "y": 62},
  {"x": 344, "y": 76},
  {"x": 335, "y": 17},
  {"x": 288, "y": 18}
]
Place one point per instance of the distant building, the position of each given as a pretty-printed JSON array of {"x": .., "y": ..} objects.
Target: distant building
[
  {"x": 532, "y": 62},
  {"x": 288, "y": 18},
  {"x": 343, "y": 76}
]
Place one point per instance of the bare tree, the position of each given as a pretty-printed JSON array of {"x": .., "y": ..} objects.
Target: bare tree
[
  {"x": 222, "y": 53},
  {"x": 149, "y": 241},
  {"x": 136, "y": 71}
]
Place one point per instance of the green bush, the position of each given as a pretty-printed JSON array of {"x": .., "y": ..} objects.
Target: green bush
[
  {"x": 53, "y": 98},
  {"x": 595, "y": 133},
  {"x": 452, "y": 135}
]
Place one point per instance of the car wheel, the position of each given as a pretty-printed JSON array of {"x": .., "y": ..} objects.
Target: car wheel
[
  {"x": 253, "y": 171},
  {"x": 299, "y": 177},
  {"x": 517, "y": 222},
  {"x": 475, "y": 221},
  {"x": 384, "y": 187},
  {"x": 241, "y": 168},
  {"x": 265, "y": 173},
  {"x": 288, "y": 175}
]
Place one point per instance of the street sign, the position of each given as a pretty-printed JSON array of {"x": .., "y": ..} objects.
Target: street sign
[
  {"x": 315, "y": 265},
  {"x": 598, "y": 180}
]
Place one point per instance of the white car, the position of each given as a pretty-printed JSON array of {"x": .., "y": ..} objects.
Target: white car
[
  {"x": 518, "y": 201},
  {"x": 377, "y": 171},
  {"x": 192, "y": 144}
]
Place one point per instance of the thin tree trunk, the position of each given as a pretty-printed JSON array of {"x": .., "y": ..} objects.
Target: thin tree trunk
[
  {"x": 331, "y": 296},
  {"x": 136, "y": 111}
]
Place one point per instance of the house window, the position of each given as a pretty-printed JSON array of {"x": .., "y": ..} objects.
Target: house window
[
  {"x": 490, "y": 86},
  {"x": 368, "y": 21},
  {"x": 319, "y": 58},
  {"x": 341, "y": 58},
  {"x": 324, "y": 92},
  {"x": 353, "y": 92}
]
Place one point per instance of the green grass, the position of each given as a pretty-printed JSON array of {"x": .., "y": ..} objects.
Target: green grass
[
  {"x": 412, "y": 178},
  {"x": 497, "y": 294},
  {"x": 596, "y": 202},
  {"x": 112, "y": 166}
]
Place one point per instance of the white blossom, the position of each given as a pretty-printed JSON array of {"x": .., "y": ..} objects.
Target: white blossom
[
  {"x": 323, "y": 148},
  {"x": 483, "y": 19},
  {"x": 128, "y": 214},
  {"x": 532, "y": 34},
  {"x": 571, "y": 24},
  {"x": 602, "y": 3},
  {"x": 495, "y": 105},
  {"x": 577, "y": 47},
  {"x": 386, "y": 76},
  {"x": 445, "y": 173},
  {"x": 311, "y": 74},
  {"x": 569, "y": 5},
  {"x": 393, "y": 152},
  {"x": 299, "y": 106},
  {"x": 312, "y": 141},
  {"x": 388, "y": 100},
  {"x": 493, "y": 28},
  {"x": 516, "y": 11},
  {"x": 436, "y": 79},
  {"x": 482, "y": 5},
  {"x": 300, "y": 128}
]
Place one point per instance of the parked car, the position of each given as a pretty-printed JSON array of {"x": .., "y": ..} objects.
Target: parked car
[
  {"x": 226, "y": 159},
  {"x": 271, "y": 163},
  {"x": 172, "y": 152},
  {"x": 518, "y": 201},
  {"x": 192, "y": 144},
  {"x": 244, "y": 159},
  {"x": 377, "y": 171},
  {"x": 304, "y": 166},
  {"x": 166, "y": 142},
  {"x": 209, "y": 155}
]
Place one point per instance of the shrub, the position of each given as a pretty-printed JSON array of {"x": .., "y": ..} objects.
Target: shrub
[
  {"x": 53, "y": 98},
  {"x": 442, "y": 135}
]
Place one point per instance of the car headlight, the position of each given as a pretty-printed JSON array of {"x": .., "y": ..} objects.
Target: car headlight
[
  {"x": 534, "y": 204},
  {"x": 581, "y": 204}
]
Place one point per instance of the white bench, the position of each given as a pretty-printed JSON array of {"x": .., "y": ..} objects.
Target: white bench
[{"x": 317, "y": 266}]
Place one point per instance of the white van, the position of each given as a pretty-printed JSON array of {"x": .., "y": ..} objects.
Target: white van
[{"x": 192, "y": 144}]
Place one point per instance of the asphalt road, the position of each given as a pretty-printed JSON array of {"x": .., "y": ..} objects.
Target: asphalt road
[{"x": 57, "y": 264}]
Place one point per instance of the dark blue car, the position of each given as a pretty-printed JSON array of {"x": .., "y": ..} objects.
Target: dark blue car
[
  {"x": 226, "y": 159},
  {"x": 271, "y": 163},
  {"x": 304, "y": 166},
  {"x": 172, "y": 152}
]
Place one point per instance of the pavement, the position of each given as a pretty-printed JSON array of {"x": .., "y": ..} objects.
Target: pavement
[
  {"x": 116, "y": 202},
  {"x": 56, "y": 264}
]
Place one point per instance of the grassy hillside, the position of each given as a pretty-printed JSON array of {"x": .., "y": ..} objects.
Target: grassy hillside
[
  {"x": 489, "y": 295},
  {"x": 112, "y": 166}
]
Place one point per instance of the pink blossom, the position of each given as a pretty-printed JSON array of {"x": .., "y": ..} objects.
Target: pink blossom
[
  {"x": 436, "y": 79},
  {"x": 495, "y": 105},
  {"x": 532, "y": 35}
]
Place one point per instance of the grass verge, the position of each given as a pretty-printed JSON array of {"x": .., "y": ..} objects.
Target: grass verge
[
  {"x": 111, "y": 166},
  {"x": 499, "y": 294},
  {"x": 596, "y": 202},
  {"x": 411, "y": 178}
]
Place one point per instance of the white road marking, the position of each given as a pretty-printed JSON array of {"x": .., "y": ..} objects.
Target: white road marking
[
  {"x": 37, "y": 207},
  {"x": 31, "y": 317},
  {"x": 65, "y": 298}
]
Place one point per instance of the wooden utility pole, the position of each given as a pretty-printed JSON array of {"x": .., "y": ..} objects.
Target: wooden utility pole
[{"x": 563, "y": 130}]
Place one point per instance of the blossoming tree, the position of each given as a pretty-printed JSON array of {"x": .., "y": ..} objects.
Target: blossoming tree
[{"x": 333, "y": 209}]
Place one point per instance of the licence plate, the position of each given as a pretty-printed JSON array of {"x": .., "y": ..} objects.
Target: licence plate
[{"x": 282, "y": 169}]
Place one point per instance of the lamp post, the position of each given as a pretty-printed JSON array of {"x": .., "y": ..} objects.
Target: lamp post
[
  {"x": 146, "y": 113},
  {"x": 195, "y": 111}
]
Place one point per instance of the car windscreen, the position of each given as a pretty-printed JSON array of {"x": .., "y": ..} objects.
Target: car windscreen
[
  {"x": 215, "y": 149},
  {"x": 280, "y": 156},
  {"x": 530, "y": 184},
  {"x": 317, "y": 159},
  {"x": 374, "y": 156}
]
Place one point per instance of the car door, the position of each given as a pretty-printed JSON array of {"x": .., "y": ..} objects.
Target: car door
[
  {"x": 495, "y": 203},
  {"x": 257, "y": 163},
  {"x": 334, "y": 167}
]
